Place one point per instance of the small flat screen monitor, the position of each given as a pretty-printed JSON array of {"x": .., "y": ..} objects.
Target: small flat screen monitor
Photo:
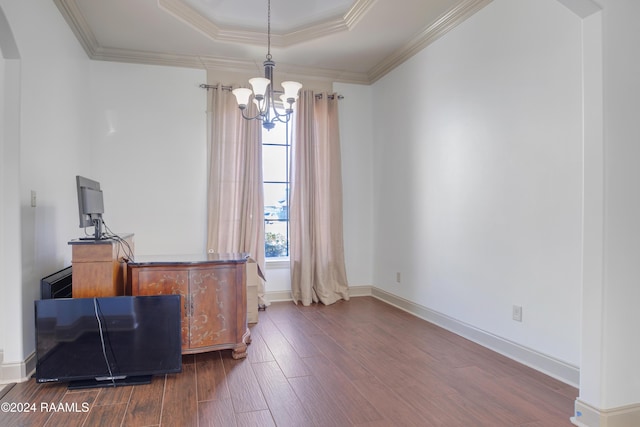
[
  {"x": 108, "y": 341},
  {"x": 90, "y": 204}
]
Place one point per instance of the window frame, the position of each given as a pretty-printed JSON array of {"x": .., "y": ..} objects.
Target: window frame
[{"x": 287, "y": 185}]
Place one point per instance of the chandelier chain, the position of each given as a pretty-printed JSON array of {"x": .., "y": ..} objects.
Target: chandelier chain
[{"x": 269, "y": 30}]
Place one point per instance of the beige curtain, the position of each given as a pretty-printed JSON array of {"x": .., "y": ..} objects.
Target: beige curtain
[
  {"x": 235, "y": 194},
  {"x": 316, "y": 252}
]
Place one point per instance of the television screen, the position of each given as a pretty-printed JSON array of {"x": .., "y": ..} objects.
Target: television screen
[{"x": 93, "y": 342}]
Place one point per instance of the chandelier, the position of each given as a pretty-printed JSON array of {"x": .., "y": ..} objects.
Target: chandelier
[{"x": 264, "y": 92}]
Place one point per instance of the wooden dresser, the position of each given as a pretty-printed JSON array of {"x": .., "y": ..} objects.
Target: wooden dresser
[
  {"x": 99, "y": 266},
  {"x": 213, "y": 297}
]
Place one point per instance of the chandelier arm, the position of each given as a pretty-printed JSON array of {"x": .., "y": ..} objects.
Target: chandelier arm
[
  {"x": 286, "y": 115},
  {"x": 278, "y": 112},
  {"x": 256, "y": 117},
  {"x": 285, "y": 120}
]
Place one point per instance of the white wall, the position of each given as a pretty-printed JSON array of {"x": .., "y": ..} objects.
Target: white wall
[
  {"x": 47, "y": 91},
  {"x": 609, "y": 374},
  {"x": 593, "y": 222},
  {"x": 356, "y": 137},
  {"x": 3, "y": 178},
  {"x": 148, "y": 146},
  {"x": 478, "y": 175},
  {"x": 2, "y": 191},
  {"x": 10, "y": 268},
  {"x": 620, "y": 355}
]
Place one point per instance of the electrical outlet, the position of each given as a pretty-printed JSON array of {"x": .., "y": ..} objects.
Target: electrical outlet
[
  {"x": 33, "y": 198},
  {"x": 398, "y": 277},
  {"x": 517, "y": 313}
]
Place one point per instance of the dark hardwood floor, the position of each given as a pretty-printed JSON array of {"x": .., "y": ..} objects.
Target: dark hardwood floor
[{"x": 355, "y": 363}]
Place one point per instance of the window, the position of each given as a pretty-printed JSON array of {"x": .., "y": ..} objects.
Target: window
[{"x": 276, "y": 152}]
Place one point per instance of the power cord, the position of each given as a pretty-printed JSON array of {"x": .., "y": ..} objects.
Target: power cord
[
  {"x": 123, "y": 244},
  {"x": 104, "y": 350}
]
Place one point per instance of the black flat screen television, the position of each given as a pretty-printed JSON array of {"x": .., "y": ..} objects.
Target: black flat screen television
[{"x": 106, "y": 342}]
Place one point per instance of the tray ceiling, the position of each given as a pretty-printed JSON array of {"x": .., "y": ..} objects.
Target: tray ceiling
[{"x": 355, "y": 41}]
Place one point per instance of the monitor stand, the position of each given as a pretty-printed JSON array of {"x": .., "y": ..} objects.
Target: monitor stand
[
  {"x": 97, "y": 233},
  {"x": 97, "y": 229},
  {"x": 94, "y": 383}
]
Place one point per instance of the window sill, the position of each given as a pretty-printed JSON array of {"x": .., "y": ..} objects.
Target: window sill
[{"x": 276, "y": 263}]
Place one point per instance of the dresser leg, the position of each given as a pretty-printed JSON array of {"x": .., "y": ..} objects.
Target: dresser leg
[{"x": 239, "y": 352}]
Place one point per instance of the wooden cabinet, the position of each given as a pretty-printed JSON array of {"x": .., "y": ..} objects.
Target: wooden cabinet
[
  {"x": 99, "y": 266},
  {"x": 213, "y": 297}
]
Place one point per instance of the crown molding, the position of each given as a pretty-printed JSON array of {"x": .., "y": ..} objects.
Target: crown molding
[
  {"x": 444, "y": 24},
  {"x": 284, "y": 70},
  {"x": 194, "y": 19},
  {"x": 143, "y": 57},
  {"x": 226, "y": 65},
  {"x": 71, "y": 13}
]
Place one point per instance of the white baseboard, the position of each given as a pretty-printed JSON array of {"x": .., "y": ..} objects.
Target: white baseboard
[
  {"x": 278, "y": 296},
  {"x": 548, "y": 365},
  {"x": 354, "y": 291},
  {"x": 360, "y": 291},
  {"x": 18, "y": 371},
  {"x": 589, "y": 416}
]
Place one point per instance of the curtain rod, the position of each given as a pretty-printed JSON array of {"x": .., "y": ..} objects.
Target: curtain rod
[{"x": 206, "y": 86}]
